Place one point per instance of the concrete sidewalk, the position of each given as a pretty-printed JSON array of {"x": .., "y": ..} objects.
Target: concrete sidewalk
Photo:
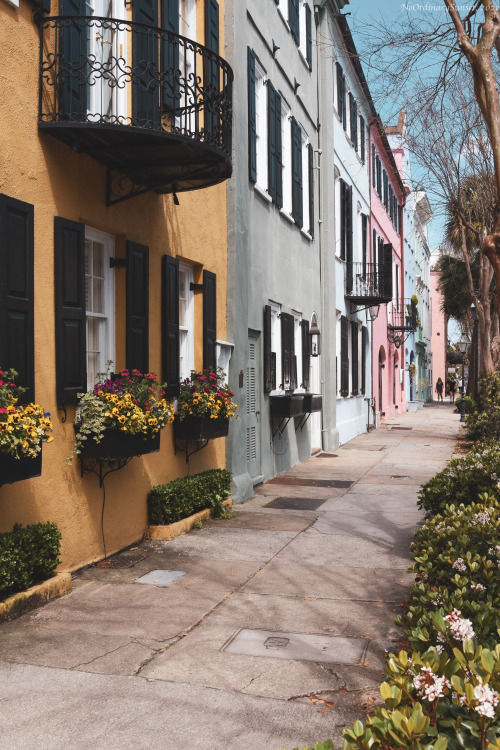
[{"x": 273, "y": 637}]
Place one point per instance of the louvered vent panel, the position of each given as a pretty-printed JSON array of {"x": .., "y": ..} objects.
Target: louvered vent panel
[
  {"x": 252, "y": 351},
  {"x": 251, "y": 390},
  {"x": 251, "y": 444}
]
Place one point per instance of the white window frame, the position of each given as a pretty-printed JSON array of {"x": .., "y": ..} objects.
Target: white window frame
[
  {"x": 286, "y": 156},
  {"x": 276, "y": 343},
  {"x": 302, "y": 31},
  {"x": 305, "y": 183},
  {"x": 297, "y": 340},
  {"x": 107, "y": 352},
  {"x": 337, "y": 353},
  {"x": 261, "y": 126},
  {"x": 187, "y": 28},
  {"x": 186, "y": 331},
  {"x": 117, "y": 48},
  {"x": 336, "y": 198}
]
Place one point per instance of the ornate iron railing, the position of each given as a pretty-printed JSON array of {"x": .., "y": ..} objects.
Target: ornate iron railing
[
  {"x": 365, "y": 281},
  {"x": 109, "y": 72},
  {"x": 403, "y": 316}
]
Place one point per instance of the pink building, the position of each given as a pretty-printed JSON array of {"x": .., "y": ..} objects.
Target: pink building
[
  {"x": 438, "y": 333},
  {"x": 394, "y": 320}
]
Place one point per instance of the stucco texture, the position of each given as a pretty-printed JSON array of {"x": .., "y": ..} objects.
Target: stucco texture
[{"x": 40, "y": 170}]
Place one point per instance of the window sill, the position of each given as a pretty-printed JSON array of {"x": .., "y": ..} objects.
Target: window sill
[
  {"x": 287, "y": 216},
  {"x": 306, "y": 234},
  {"x": 263, "y": 193},
  {"x": 304, "y": 60},
  {"x": 284, "y": 19}
]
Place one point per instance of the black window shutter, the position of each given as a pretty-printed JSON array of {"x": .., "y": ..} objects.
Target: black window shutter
[
  {"x": 354, "y": 357},
  {"x": 310, "y": 164},
  {"x": 379, "y": 178},
  {"x": 293, "y": 19},
  {"x": 387, "y": 270},
  {"x": 391, "y": 204},
  {"x": 252, "y": 118},
  {"x": 137, "y": 307},
  {"x": 268, "y": 364},
  {"x": 211, "y": 72},
  {"x": 353, "y": 116},
  {"x": 209, "y": 320},
  {"x": 145, "y": 94},
  {"x": 374, "y": 167},
  {"x": 74, "y": 47},
  {"x": 343, "y": 201},
  {"x": 170, "y": 324},
  {"x": 297, "y": 210},
  {"x": 309, "y": 36},
  {"x": 364, "y": 346},
  {"x": 275, "y": 187},
  {"x": 348, "y": 238},
  {"x": 306, "y": 354},
  {"x": 344, "y": 103},
  {"x": 170, "y": 55},
  {"x": 278, "y": 151},
  {"x": 344, "y": 356},
  {"x": 287, "y": 351},
  {"x": 386, "y": 190},
  {"x": 340, "y": 90},
  {"x": 70, "y": 312},
  {"x": 362, "y": 141},
  {"x": 17, "y": 335},
  {"x": 364, "y": 241}
]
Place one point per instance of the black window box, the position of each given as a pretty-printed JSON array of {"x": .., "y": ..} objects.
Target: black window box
[
  {"x": 115, "y": 445},
  {"x": 200, "y": 428},
  {"x": 287, "y": 406},
  {"x": 312, "y": 402},
  {"x": 16, "y": 469}
]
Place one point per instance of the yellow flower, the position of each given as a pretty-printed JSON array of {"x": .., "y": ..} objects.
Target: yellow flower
[
  {"x": 185, "y": 407},
  {"x": 121, "y": 419}
]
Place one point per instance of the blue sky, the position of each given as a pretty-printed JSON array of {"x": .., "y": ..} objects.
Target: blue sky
[{"x": 366, "y": 11}]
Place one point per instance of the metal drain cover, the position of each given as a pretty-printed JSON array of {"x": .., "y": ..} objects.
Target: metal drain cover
[
  {"x": 296, "y": 503},
  {"x": 298, "y": 646},
  {"x": 124, "y": 560},
  {"x": 303, "y": 482},
  {"x": 396, "y": 476},
  {"x": 161, "y": 577},
  {"x": 393, "y": 427},
  {"x": 326, "y": 455}
]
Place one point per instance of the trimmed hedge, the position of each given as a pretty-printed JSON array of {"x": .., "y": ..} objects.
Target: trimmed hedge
[
  {"x": 463, "y": 480},
  {"x": 168, "y": 503},
  {"x": 28, "y": 556}
]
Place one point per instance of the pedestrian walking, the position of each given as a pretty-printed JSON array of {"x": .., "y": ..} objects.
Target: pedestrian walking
[
  {"x": 439, "y": 389},
  {"x": 453, "y": 388}
]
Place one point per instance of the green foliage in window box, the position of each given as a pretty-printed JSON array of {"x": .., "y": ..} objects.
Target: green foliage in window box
[
  {"x": 463, "y": 480},
  {"x": 168, "y": 503},
  {"x": 28, "y": 556}
]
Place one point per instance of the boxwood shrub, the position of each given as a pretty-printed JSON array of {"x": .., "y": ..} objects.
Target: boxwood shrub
[
  {"x": 483, "y": 423},
  {"x": 28, "y": 556},
  {"x": 463, "y": 479},
  {"x": 168, "y": 503}
]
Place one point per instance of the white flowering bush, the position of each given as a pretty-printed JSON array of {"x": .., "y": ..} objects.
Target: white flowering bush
[{"x": 463, "y": 480}]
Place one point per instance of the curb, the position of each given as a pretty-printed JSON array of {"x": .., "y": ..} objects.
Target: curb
[
  {"x": 172, "y": 530},
  {"x": 36, "y": 596}
]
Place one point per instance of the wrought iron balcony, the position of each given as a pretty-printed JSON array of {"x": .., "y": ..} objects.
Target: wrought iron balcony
[
  {"x": 402, "y": 320},
  {"x": 366, "y": 284},
  {"x": 153, "y": 106}
]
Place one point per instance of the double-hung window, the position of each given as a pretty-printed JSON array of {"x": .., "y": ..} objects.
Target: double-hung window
[
  {"x": 306, "y": 32},
  {"x": 341, "y": 95},
  {"x": 186, "y": 321},
  {"x": 257, "y": 122},
  {"x": 99, "y": 303},
  {"x": 297, "y": 335}
]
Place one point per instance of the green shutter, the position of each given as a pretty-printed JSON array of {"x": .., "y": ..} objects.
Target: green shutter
[
  {"x": 297, "y": 191},
  {"x": 137, "y": 307},
  {"x": 209, "y": 320},
  {"x": 252, "y": 118},
  {"x": 293, "y": 19},
  {"x": 310, "y": 163},
  {"x": 170, "y": 324},
  {"x": 268, "y": 366}
]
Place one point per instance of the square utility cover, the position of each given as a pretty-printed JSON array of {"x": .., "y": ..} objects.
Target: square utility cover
[
  {"x": 161, "y": 577},
  {"x": 298, "y": 646}
]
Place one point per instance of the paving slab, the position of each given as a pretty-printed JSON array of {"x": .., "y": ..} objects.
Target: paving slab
[
  {"x": 361, "y": 584},
  {"x": 375, "y": 526},
  {"x": 246, "y": 519},
  {"x": 314, "y": 548},
  {"x": 226, "y": 543},
  {"x": 78, "y": 710}
]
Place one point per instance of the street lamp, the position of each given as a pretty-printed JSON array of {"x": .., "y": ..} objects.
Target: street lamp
[{"x": 462, "y": 346}]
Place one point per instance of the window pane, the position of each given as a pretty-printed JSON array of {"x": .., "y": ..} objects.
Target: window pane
[
  {"x": 98, "y": 257},
  {"x": 98, "y": 295},
  {"x": 88, "y": 264}
]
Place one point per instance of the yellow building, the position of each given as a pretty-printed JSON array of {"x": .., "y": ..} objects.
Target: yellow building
[{"x": 115, "y": 142}]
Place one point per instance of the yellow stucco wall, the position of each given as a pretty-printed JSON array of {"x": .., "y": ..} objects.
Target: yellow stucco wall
[{"x": 40, "y": 170}]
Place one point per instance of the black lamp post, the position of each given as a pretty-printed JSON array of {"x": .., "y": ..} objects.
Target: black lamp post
[{"x": 462, "y": 345}]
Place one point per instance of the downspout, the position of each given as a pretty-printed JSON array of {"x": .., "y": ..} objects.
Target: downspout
[{"x": 324, "y": 438}]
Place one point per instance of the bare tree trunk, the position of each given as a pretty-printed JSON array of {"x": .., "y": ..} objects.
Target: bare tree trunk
[{"x": 482, "y": 302}]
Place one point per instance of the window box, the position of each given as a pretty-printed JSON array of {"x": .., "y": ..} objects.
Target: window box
[
  {"x": 115, "y": 445},
  {"x": 195, "y": 428},
  {"x": 287, "y": 406},
  {"x": 312, "y": 402},
  {"x": 17, "y": 469}
]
